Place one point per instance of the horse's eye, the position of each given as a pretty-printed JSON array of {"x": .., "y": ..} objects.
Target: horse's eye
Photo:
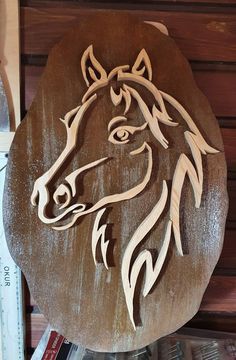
[{"x": 120, "y": 135}]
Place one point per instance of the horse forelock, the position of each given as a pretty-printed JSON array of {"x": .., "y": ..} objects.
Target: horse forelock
[{"x": 126, "y": 92}]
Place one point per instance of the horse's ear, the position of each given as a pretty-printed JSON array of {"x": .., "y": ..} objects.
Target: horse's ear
[
  {"x": 92, "y": 70},
  {"x": 143, "y": 65}
]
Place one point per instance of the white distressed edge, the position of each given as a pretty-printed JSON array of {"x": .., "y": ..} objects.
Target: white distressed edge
[{"x": 6, "y": 140}]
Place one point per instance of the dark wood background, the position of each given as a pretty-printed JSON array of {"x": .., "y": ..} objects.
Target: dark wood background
[{"x": 205, "y": 31}]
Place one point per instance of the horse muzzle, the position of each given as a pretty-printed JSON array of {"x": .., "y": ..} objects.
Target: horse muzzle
[{"x": 63, "y": 196}]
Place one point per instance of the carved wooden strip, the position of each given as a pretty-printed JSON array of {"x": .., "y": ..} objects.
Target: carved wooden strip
[
  {"x": 219, "y": 87},
  {"x": 99, "y": 234},
  {"x": 152, "y": 269},
  {"x": 169, "y": 4},
  {"x": 48, "y": 25}
]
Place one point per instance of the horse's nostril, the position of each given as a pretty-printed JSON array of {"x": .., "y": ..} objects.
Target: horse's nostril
[
  {"x": 61, "y": 199},
  {"x": 62, "y": 195}
]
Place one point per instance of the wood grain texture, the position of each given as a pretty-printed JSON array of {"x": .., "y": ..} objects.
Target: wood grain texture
[
  {"x": 216, "y": 321},
  {"x": 200, "y": 36},
  {"x": 188, "y": 5},
  {"x": 227, "y": 261},
  {"x": 231, "y": 218},
  {"x": 228, "y": 256},
  {"x": 229, "y": 138},
  {"x": 36, "y": 324},
  {"x": 223, "y": 300},
  {"x": 217, "y": 311},
  {"x": 228, "y": 122},
  {"x": 49, "y": 283},
  {"x": 221, "y": 83}
]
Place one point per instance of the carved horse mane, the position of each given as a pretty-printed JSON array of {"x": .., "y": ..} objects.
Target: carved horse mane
[{"x": 96, "y": 77}]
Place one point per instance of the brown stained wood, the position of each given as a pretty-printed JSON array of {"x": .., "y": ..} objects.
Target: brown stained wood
[
  {"x": 30, "y": 79},
  {"x": 227, "y": 261},
  {"x": 231, "y": 185},
  {"x": 217, "y": 311},
  {"x": 209, "y": 316},
  {"x": 28, "y": 298},
  {"x": 219, "y": 88},
  {"x": 229, "y": 139},
  {"x": 36, "y": 324},
  {"x": 223, "y": 2},
  {"x": 228, "y": 256},
  {"x": 213, "y": 321},
  {"x": 72, "y": 293},
  {"x": 220, "y": 295},
  {"x": 188, "y": 5},
  {"x": 228, "y": 122},
  {"x": 199, "y": 36}
]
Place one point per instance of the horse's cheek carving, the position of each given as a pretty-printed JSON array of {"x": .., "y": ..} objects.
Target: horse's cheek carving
[{"x": 96, "y": 78}]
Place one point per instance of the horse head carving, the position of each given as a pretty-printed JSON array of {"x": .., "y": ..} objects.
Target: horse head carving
[{"x": 129, "y": 80}]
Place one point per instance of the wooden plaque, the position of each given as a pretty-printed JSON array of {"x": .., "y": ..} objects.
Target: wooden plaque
[{"x": 115, "y": 198}]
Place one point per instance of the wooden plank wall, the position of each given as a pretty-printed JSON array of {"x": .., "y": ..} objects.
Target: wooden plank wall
[{"x": 205, "y": 31}]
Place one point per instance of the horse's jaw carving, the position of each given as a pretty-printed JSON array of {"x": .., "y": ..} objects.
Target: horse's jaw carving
[{"x": 68, "y": 189}]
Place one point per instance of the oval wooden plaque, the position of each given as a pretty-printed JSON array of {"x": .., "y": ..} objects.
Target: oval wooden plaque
[{"x": 115, "y": 198}]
